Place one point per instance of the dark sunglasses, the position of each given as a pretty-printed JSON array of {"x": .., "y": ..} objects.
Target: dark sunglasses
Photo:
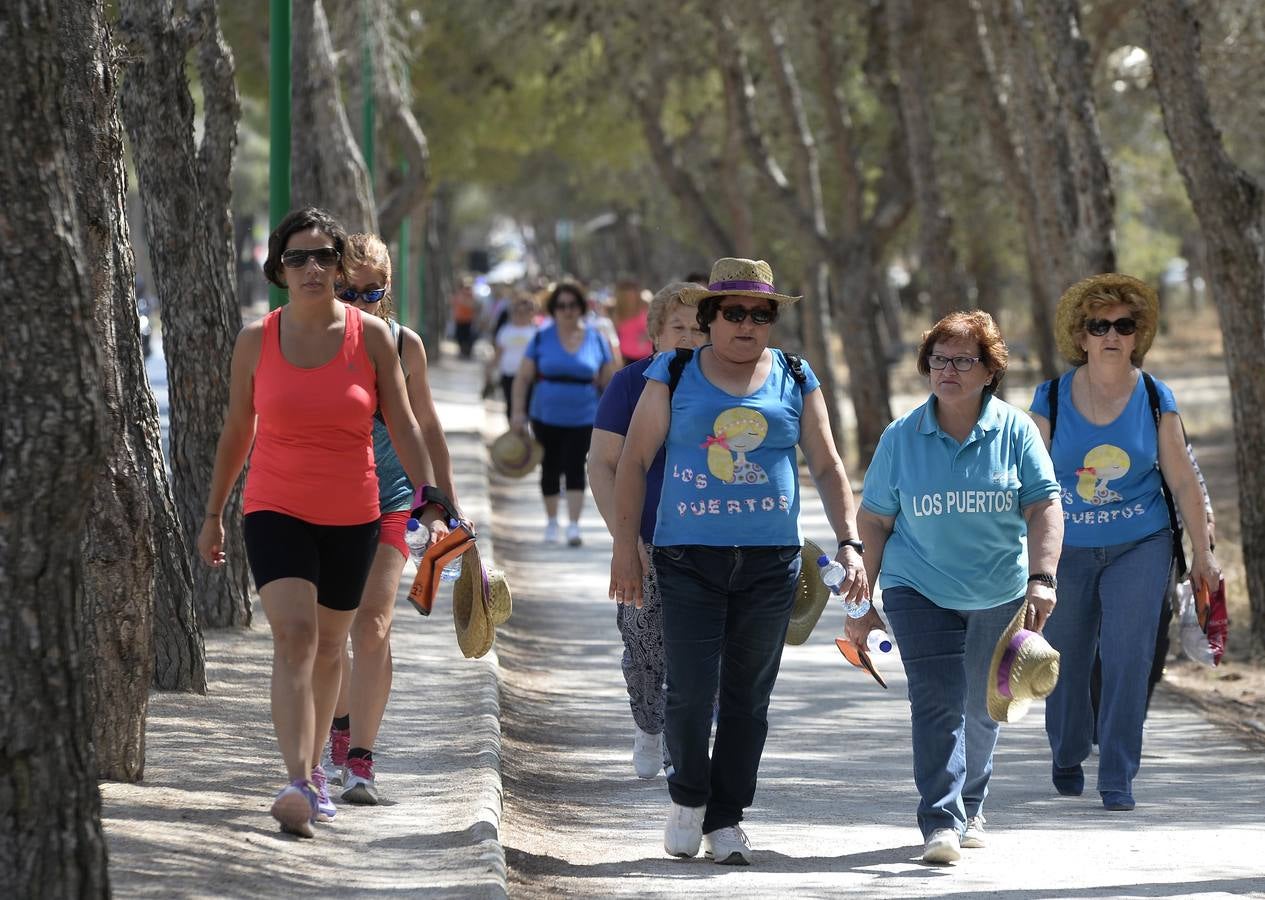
[
  {"x": 568, "y": 304},
  {"x": 351, "y": 295},
  {"x": 1099, "y": 327},
  {"x": 737, "y": 314},
  {"x": 325, "y": 257}
]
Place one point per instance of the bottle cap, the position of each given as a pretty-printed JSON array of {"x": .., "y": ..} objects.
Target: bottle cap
[
  {"x": 413, "y": 525},
  {"x": 823, "y": 560}
]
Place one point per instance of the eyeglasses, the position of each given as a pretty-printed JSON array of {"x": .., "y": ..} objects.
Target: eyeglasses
[
  {"x": 737, "y": 314},
  {"x": 961, "y": 363},
  {"x": 1098, "y": 327},
  {"x": 351, "y": 295},
  {"x": 325, "y": 257}
]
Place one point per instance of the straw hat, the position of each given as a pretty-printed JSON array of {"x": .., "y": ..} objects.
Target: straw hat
[
  {"x": 738, "y": 278},
  {"x": 1068, "y": 316},
  {"x": 811, "y": 596},
  {"x": 1024, "y": 668},
  {"x": 499, "y": 599},
  {"x": 515, "y": 455},
  {"x": 471, "y": 606}
]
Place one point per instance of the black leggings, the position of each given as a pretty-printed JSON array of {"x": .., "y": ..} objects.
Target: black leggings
[{"x": 566, "y": 450}]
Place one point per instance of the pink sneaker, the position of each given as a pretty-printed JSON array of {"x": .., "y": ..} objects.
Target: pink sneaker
[
  {"x": 325, "y": 808},
  {"x": 358, "y": 785},
  {"x": 336, "y": 754}
]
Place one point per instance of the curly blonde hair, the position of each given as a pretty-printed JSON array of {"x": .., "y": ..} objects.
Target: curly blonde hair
[
  {"x": 368, "y": 251},
  {"x": 662, "y": 304}
]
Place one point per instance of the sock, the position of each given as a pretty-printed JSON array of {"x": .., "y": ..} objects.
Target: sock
[
  {"x": 343, "y": 723},
  {"x": 360, "y": 753}
]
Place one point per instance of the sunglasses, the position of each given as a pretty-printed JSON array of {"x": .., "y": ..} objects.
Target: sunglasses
[
  {"x": 738, "y": 314},
  {"x": 961, "y": 363},
  {"x": 568, "y": 304},
  {"x": 1099, "y": 327},
  {"x": 351, "y": 295},
  {"x": 325, "y": 257}
]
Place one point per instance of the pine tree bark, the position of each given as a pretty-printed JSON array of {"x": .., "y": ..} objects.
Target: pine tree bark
[
  {"x": 53, "y": 442},
  {"x": 184, "y": 197},
  {"x": 1229, "y": 204}
]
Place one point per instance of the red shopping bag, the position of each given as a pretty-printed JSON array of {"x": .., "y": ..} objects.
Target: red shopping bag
[{"x": 1215, "y": 618}]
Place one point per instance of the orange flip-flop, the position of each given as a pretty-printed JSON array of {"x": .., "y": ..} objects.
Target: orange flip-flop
[
  {"x": 438, "y": 554},
  {"x": 859, "y": 657}
]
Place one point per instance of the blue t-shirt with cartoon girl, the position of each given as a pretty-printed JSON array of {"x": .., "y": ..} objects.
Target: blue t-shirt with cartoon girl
[
  {"x": 730, "y": 476},
  {"x": 1109, "y": 475}
]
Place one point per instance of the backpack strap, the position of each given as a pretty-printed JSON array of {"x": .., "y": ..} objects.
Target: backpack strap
[
  {"x": 1179, "y": 554},
  {"x": 1054, "y": 406},
  {"x": 796, "y": 364},
  {"x": 676, "y": 365}
]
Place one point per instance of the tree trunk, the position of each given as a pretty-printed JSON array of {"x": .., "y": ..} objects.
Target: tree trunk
[
  {"x": 1228, "y": 204},
  {"x": 937, "y": 258},
  {"x": 815, "y": 328},
  {"x": 328, "y": 170},
  {"x": 863, "y": 351},
  {"x": 184, "y": 194},
  {"x": 53, "y": 443}
]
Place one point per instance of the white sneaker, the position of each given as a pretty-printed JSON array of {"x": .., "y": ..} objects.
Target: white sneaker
[
  {"x": 684, "y": 831},
  {"x": 727, "y": 846},
  {"x": 974, "y": 838},
  {"x": 551, "y": 532},
  {"x": 647, "y": 754},
  {"x": 573, "y": 534},
  {"x": 942, "y": 847}
]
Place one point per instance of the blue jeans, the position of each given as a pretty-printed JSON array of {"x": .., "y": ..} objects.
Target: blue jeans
[
  {"x": 725, "y": 613},
  {"x": 947, "y": 653},
  {"x": 1108, "y": 597}
]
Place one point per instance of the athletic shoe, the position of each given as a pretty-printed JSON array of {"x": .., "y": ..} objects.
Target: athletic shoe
[
  {"x": 325, "y": 808},
  {"x": 647, "y": 754},
  {"x": 942, "y": 847},
  {"x": 974, "y": 838},
  {"x": 335, "y": 759},
  {"x": 359, "y": 787},
  {"x": 727, "y": 846},
  {"x": 684, "y": 831},
  {"x": 573, "y": 534},
  {"x": 551, "y": 531},
  {"x": 295, "y": 808}
]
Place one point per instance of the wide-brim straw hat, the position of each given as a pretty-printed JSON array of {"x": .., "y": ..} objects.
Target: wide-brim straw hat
[
  {"x": 472, "y": 606},
  {"x": 1067, "y": 317},
  {"x": 1024, "y": 668},
  {"x": 734, "y": 277},
  {"x": 499, "y": 598},
  {"x": 515, "y": 455},
  {"x": 811, "y": 596}
]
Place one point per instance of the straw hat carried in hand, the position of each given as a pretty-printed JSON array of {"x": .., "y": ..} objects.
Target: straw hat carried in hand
[
  {"x": 811, "y": 596},
  {"x": 1024, "y": 668}
]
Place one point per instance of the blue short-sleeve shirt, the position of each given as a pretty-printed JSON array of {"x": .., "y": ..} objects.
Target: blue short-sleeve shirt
[
  {"x": 566, "y": 394},
  {"x": 614, "y": 412},
  {"x": 959, "y": 535},
  {"x": 730, "y": 476},
  {"x": 1109, "y": 474}
]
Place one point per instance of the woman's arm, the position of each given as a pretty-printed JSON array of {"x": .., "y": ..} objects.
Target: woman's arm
[
  {"x": 874, "y": 530},
  {"x": 235, "y": 439},
  {"x": 646, "y": 434},
  {"x": 1045, "y": 544},
  {"x": 835, "y": 490},
  {"x": 606, "y": 373},
  {"x": 518, "y": 394},
  {"x": 604, "y": 451},
  {"x": 1043, "y": 426},
  {"x": 422, "y": 403},
  {"x": 1180, "y": 477}
]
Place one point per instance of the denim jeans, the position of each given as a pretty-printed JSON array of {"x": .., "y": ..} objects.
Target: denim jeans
[
  {"x": 947, "y": 653},
  {"x": 1108, "y": 597},
  {"x": 725, "y": 613}
]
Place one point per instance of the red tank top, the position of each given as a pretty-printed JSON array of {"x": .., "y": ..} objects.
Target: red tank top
[{"x": 313, "y": 454}]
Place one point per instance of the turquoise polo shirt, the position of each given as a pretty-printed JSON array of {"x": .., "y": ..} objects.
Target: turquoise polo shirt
[{"x": 959, "y": 534}]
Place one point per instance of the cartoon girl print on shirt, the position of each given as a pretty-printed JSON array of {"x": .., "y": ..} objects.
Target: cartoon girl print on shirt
[
  {"x": 736, "y": 431},
  {"x": 1103, "y": 464}
]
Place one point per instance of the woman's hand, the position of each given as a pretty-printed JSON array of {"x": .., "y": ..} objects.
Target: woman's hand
[
  {"x": 858, "y": 630},
  {"x": 1205, "y": 570},
  {"x": 433, "y": 519},
  {"x": 518, "y": 422},
  {"x": 1041, "y": 599},
  {"x": 855, "y": 586},
  {"x": 626, "y": 575},
  {"x": 211, "y": 542}
]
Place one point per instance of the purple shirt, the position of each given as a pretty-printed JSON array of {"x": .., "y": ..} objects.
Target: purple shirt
[{"x": 614, "y": 412}]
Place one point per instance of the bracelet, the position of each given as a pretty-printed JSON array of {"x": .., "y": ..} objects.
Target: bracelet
[{"x": 212, "y": 515}]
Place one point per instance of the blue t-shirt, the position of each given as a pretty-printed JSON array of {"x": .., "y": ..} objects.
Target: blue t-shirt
[
  {"x": 395, "y": 491},
  {"x": 730, "y": 477},
  {"x": 1109, "y": 474},
  {"x": 565, "y": 393},
  {"x": 959, "y": 534},
  {"x": 614, "y": 412}
]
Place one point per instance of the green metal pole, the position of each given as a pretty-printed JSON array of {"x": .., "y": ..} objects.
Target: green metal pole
[
  {"x": 401, "y": 295},
  {"x": 367, "y": 111},
  {"x": 278, "y": 123}
]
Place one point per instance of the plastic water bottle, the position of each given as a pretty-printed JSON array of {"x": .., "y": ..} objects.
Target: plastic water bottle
[
  {"x": 832, "y": 573},
  {"x": 417, "y": 538},
  {"x": 452, "y": 571},
  {"x": 878, "y": 642}
]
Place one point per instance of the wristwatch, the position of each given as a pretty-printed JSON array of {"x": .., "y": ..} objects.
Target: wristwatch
[
  {"x": 428, "y": 495},
  {"x": 854, "y": 544},
  {"x": 1045, "y": 578}
]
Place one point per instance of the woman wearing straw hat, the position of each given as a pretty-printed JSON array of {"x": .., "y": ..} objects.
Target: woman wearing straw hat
[
  {"x": 726, "y": 541},
  {"x": 1113, "y": 461},
  {"x": 672, "y": 324},
  {"x": 961, "y": 525}
]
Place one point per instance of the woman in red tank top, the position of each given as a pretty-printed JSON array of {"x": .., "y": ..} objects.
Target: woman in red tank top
[{"x": 305, "y": 382}]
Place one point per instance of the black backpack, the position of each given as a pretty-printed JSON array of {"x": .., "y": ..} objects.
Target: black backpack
[{"x": 1153, "y": 398}]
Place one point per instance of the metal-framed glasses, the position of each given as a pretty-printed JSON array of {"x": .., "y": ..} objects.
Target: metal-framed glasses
[
  {"x": 351, "y": 295},
  {"x": 961, "y": 363},
  {"x": 1099, "y": 327},
  {"x": 738, "y": 314},
  {"x": 325, "y": 257}
]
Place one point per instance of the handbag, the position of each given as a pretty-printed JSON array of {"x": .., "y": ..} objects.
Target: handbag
[
  {"x": 1203, "y": 622},
  {"x": 441, "y": 552}
]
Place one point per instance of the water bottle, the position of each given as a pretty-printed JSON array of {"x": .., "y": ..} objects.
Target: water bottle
[
  {"x": 832, "y": 573},
  {"x": 452, "y": 571},
  {"x": 878, "y": 642},
  {"x": 417, "y": 538}
]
